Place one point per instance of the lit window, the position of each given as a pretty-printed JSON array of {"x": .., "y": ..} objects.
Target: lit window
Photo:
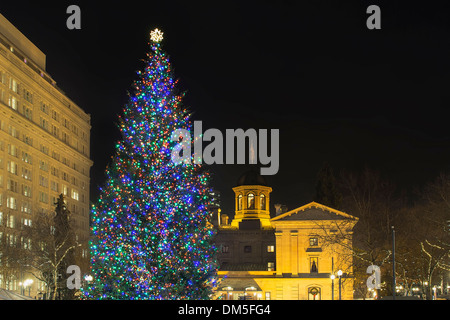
[
  {"x": 313, "y": 242},
  {"x": 10, "y": 222},
  {"x": 250, "y": 201},
  {"x": 13, "y": 102},
  {"x": 270, "y": 248},
  {"x": 13, "y": 85},
  {"x": 12, "y": 167},
  {"x": 75, "y": 195},
  {"x": 262, "y": 202},
  {"x": 240, "y": 202},
  {"x": 11, "y": 203},
  {"x": 271, "y": 266},
  {"x": 26, "y": 191}
]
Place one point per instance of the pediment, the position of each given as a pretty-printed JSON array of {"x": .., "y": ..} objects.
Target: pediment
[{"x": 313, "y": 211}]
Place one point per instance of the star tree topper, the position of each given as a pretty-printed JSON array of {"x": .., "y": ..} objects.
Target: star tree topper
[{"x": 156, "y": 35}]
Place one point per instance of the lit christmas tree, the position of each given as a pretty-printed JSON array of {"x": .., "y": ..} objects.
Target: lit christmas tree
[{"x": 151, "y": 233}]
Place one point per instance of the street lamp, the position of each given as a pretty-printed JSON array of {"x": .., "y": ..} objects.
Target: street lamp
[
  {"x": 332, "y": 286},
  {"x": 27, "y": 283},
  {"x": 339, "y": 273}
]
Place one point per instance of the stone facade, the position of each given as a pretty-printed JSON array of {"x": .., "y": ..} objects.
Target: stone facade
[
  {"x": 44, "y": 148},
  {"x": 290, "y": 256}
]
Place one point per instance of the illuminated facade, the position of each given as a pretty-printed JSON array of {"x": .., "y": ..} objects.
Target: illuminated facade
[
  {"x": 291, "y": 256},
  {"x": 44, "y": 148}
]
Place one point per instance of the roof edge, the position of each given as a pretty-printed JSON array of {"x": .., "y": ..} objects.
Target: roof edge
[{"x": 314, "y": 205}]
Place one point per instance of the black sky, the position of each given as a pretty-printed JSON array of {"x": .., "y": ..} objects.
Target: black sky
[{"x": 337, "y": 91}]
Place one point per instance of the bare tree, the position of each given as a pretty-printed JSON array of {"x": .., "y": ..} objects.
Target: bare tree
[
  {"x": 433, "y": 232},
  {"x": 13, "y": 254},
  {"x": 375, "y": 201},
  {"x": 53, "y": 244}
]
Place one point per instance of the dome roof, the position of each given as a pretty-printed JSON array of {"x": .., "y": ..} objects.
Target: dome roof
[{"x": 251, "y": 178}]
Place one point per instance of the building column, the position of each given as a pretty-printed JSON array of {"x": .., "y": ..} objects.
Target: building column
[
  {"x": 294, "y": 252},
  {"x": 279, "y": 249}
]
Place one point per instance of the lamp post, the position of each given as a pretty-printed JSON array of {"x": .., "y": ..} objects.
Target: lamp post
[
  {"x": 332, "y": 286},
  {"x": 27, "y": 283},
  {"x": 339, "y": 273},
  {"x": 394, "y": 283}
]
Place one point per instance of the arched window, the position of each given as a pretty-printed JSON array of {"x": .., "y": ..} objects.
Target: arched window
[
  {"x": 250, "y": 201},
  {"x": 313, "y": 293},
  {"x": 262, "y": 202},
  {"x": 240, "y": 202}
]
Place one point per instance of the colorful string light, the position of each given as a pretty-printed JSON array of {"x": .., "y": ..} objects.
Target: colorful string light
[{"x": 151, "y": 233}]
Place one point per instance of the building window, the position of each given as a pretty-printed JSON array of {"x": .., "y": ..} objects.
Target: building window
[
  {"x": 26, "y": 157},
  {"x": 13, "y": 85},
  {"x": 268, "y": 295},
  {"x": 28, "y": 96},
  {"x": 55, "y": 115},
  {"x": 314, "y": 264},
  {"x": 13, "y": 102},
  {"x": 13, "y": 132},
  {"x": 247, "y": 249},
  {"x": 262, "y": 202},
  {"x": 26, "y": 191},
  {"x": 26, "y": 207},
  {"x": 44, "y": 149},
  {"x": 313, "y": 293},
  {"x": 45, "y": 108},
  {"x": 12, "y": 186},
  {"x": 12, "y": 150},
  {"x": 55, "y": 131},
  {"x": 240, "y": 202},
  {"x": 270, "y": 266},
  {"x": 65, "y": 137},
  {"x": 271, "y": 248},
  {"x": 26, "y": 174},
  {"x": 28, "y": 140},
  {"x": 43, "y": 197},
  {"x": 250, "y": 201},
  {"x": 313, "y": 242},
  {"x": 225, "y": 249},
  {"x": 75, "y": 194},
  {"x": 54, "y": 186},
  {"x": 12, "y": 167},
  {"x": 11, "y": 203},
  {"x": 43, "y": 165},
  {"x": 44, "y": 124},
  {"x": 64, "y": 190}
]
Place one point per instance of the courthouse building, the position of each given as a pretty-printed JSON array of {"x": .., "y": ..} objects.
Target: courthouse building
[
  {"x": 292, "y": 255},
  {"x": 44, "y": 150}
]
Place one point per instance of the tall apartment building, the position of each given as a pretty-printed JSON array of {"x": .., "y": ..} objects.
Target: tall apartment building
[{"x": 44, "y": 146}]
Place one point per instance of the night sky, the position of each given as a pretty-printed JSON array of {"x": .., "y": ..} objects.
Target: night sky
[{"x": 337, "y": 91}]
